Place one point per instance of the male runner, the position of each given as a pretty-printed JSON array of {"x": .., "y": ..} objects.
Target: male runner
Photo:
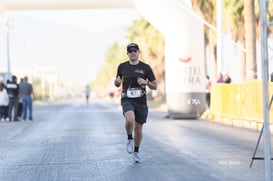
[{"x": 134, "y": 75}]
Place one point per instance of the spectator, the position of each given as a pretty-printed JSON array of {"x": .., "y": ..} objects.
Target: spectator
[
  {"x": 208, "y": 86},
  {"x": 27, "y": 91},
  {"x": 4, "y": 102},
  {"x": 226, "y": 78},
  {"x": 20, "y": 103},
  {"x": 13, "y": 92},
  {"x": 220, "y": 78}
]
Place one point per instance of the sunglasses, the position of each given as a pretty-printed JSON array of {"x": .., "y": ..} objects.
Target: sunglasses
[{"x": 132, "y": 50}]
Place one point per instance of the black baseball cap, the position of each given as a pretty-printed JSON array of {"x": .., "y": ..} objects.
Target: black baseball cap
[{"x": 132, "y": 45}]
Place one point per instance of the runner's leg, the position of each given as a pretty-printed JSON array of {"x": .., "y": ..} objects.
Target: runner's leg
[
  {"x": 129, "y": 122},
  {"x": 138, "y": 135}
]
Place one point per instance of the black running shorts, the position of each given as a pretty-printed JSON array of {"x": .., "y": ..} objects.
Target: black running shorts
[{"x": 140, "y": 110}]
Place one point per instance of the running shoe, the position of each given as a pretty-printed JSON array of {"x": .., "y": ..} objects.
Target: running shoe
[
  {"x": 130, "y": 146},
  {"x": 136, "y": 157}
]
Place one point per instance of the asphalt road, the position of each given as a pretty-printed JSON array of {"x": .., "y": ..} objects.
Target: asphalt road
[{"x": 74, "y": 141}]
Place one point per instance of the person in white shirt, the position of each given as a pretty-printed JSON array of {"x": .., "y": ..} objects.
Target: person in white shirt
[{"x": 4, "y": 102}]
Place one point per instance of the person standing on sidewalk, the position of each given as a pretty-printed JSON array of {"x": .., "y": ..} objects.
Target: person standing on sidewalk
[
  {"x": 134, "y": 75},
  {"x": 208, "y": 88},
  {"x": 13, "y": 92},
  {"x": 20, "y": 103},
  {"x": 26, "y": 90},
  {"x": 4, "y": 102}
]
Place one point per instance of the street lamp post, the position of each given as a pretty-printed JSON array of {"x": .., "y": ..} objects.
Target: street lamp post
[
  {"x": 267, "y": 135},
  {"x": 8, "y": 24},
  {"x": 219, "y": 37}
]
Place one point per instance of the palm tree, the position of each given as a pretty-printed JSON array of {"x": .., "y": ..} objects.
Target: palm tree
[
  {"x": 153, "y": 47},
  {"x": 153, "y": 53},
  {"x": 236, "y": 14},
  {"x": 234, "y": 22},
  {"x": 206, "y": 9},
  {"x": 250, "y": 39}
]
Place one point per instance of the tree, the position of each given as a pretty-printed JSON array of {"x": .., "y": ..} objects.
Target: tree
[
  {"x": 113, "y": 57},
  {"x": 152, "y": 43},
  {"x": 207, "y": 10},
  {"x": 234, "y": 22},
  {"x": 250, "y": 38},
  {"x": 237, "y": 12}
]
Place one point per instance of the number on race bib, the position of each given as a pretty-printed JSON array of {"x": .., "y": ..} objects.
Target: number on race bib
[{"x": 134, "y": 93}]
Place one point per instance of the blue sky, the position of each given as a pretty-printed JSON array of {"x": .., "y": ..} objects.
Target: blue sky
[{"x": 72, "y": 41}]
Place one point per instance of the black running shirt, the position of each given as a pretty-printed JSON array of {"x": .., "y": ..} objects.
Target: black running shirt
[{"x": 129, "y": 74}]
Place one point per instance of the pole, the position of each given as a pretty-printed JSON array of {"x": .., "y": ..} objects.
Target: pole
[
  {"x": 8, "y": 46},
  {"x": 219, "y": 36},
  {"x": 264, "y": 52}
]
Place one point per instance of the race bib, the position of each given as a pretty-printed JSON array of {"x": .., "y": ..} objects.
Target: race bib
[{"x": 134, "y": 92}]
